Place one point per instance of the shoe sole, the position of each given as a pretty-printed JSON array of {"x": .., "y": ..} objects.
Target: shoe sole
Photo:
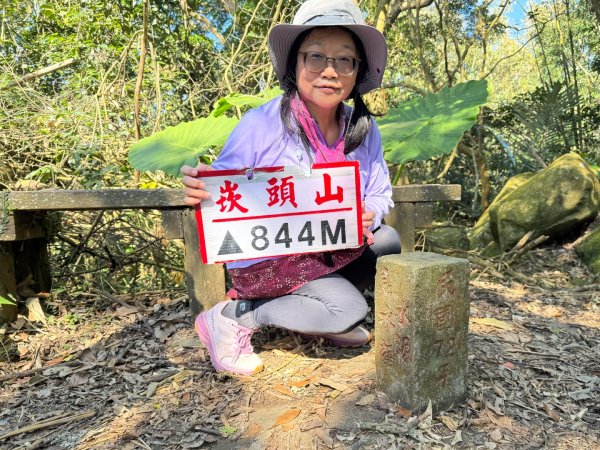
[{"x": 201, "y": 328}]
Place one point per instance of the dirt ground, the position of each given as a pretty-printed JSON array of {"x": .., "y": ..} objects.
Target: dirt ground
[{"x": 127, "y": 372}]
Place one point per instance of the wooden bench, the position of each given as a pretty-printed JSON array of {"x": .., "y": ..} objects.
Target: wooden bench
[
  {"x": 24, "y": 239},
  {"x": 413, "y": 208}
]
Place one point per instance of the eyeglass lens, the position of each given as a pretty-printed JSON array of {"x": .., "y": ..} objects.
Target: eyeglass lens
[{"x": 316, "y": 62}]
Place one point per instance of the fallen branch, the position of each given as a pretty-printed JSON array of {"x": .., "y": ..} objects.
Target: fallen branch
[{"x": 49, "y": 423}]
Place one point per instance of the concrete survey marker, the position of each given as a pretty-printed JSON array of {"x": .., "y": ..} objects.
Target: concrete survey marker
[{"x": 421, "y": 321}]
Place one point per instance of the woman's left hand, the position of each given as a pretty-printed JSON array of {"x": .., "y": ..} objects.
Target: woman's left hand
[{"x": 367, "y": 221}]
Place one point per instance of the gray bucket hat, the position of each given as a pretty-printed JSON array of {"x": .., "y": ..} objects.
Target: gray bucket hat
[{"x": 327, "y": 13}]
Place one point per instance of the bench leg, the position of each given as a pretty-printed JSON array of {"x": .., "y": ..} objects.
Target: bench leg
[
  {"x": 205, "y": 282},
  {"x": 406, "y": 227},
  {"x": 20, "y": 260},
  {"x": 8, "y": 282}
]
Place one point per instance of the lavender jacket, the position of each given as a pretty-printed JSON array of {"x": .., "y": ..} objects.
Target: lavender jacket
[{"x": 260, "y": 140}]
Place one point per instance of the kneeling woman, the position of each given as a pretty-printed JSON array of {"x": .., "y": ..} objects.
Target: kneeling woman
[{"x": 327, "y": 55}]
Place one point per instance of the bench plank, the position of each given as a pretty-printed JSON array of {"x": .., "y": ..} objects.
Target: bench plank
[{"x": 65, "y": 200}]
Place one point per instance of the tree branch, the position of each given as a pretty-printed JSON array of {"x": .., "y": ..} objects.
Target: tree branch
[
  {"x": 140, "y": 76},
  {"x": 45, "y": 71},
  {"x": 398, "y": 7}
]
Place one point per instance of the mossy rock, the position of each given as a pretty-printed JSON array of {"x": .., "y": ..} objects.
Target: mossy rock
[
  {"x": 588, "y": 249},
  {"x": 552, "y": 203},
  {"x": 446, "y": 237},
  {"x": 481, "y": 235}
]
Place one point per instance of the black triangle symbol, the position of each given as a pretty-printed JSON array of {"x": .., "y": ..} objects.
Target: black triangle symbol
[{"x": 229, "y": 246}]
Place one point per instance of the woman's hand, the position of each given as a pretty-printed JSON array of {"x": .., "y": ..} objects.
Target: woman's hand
[
  {"x": 367, "y": 221},
  {"x": 194, "y": 187}
]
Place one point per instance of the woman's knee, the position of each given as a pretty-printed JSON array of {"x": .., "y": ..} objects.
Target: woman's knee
[{"x": 354, "y": 312}]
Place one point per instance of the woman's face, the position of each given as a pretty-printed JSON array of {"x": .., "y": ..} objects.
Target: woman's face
[{"x": 326, "y": 89}]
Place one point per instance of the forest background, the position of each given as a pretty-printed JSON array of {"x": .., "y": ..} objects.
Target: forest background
[{"x": 81, "y": 81}]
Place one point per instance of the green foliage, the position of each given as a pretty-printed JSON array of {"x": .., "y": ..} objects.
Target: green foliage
[
  {"x": 185, "y": 143},
  {"x": 5, "y": 301},
  {"x": 432, "y": 125},
  {"x": 182, "y": 144},
  {"x": 241, "y": 100}
]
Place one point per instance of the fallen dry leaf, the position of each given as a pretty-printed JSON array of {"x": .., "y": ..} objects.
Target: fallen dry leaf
[
  {"x": 402, "y": 411},
  {"x": 491, "y": 322},
  {"x": 301, "y": 383},
  {"x": 321, "y": 412},
  {"x": 286, "y": 417},
  {"x": 252, "y": 430},
  {"x": 283, "y": 390},
  {"x": 551, "y": 412},
  {"x": 496, "y": 435},
  {"x": 449, "y": 422},
  {"x": 35, "y": 311},
  {"x": 501, "y": 421},
  {"x": 311, "y": 424},
  {"x": 457, "y": 437},
  {"x": 333, "y": 384},
  {"x": 123, "y": 311}
]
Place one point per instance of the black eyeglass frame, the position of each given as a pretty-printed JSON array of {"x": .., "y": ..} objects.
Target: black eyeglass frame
[{"x": 355, "y": 61}]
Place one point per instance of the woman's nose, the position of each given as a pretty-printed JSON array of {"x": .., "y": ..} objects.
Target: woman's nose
[{"x": 329, "y": 70}]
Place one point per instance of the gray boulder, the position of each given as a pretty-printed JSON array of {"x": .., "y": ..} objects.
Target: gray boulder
[
  {"x": 446, "y": 237},
  {"x": 481, "y": 234},
  {"x": 552, "y": 202}
]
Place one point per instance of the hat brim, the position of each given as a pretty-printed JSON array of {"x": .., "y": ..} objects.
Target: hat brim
[{"x": 282, "y": 37}]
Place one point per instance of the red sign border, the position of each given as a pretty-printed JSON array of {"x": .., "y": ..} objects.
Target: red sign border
[{"x": 215, "y": 173}]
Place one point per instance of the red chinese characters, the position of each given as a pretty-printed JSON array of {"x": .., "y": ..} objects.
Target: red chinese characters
[
  {"x": 328, "y": 196},
  {"x": 281, "y": 193},
  {"x": 229, "y": 198}
]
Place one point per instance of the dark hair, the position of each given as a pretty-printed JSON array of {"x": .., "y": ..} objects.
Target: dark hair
[{"x": 360, "y": 120}]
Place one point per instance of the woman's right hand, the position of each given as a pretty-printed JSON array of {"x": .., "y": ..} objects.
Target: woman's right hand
[{"x": 194, "y": 187}]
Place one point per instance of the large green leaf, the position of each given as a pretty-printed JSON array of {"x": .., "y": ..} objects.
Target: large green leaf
[
  {"x": 241, "y": 100},
  {"x": 431, "y": 125},
  {"x": 173, "y": 147}
]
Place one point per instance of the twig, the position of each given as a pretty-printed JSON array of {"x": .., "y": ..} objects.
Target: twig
[
  {"x": 528, "y": 352},
  {"x": 49, "y": 423},
  {"x": 521, "y": 405},
  {"x": 26, "y": 373},
  {"x": 265, "y": 375},
  {"x": 519, "y": 245},
  {"x": 525, "y": 248},
  {"x": 110, "y": 297},
  {"x": 208, "y": 431},
  {"x": 38, "y": 443}
]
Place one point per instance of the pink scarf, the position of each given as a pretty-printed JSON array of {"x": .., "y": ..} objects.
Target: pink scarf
[{"x": 323, "y": 153}]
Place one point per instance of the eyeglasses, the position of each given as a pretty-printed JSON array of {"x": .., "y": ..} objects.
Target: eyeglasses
[{"x": 316, "y": 62}]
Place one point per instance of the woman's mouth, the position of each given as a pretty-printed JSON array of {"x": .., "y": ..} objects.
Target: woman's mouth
[{"x": 327, "y": 89}]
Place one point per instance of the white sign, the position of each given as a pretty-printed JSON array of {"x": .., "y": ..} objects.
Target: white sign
[{"x": 279, "y": 211}]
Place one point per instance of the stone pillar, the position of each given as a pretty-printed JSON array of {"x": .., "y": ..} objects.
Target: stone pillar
[{"x": 421, "y": 326}]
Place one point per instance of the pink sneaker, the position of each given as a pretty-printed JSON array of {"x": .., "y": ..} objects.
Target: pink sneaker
[
  {"x": 357, "y": 337},
  {"x": 227, "y": 342}
]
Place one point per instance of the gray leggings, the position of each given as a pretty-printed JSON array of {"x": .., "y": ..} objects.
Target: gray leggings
[{"x": 333, "y": 303}]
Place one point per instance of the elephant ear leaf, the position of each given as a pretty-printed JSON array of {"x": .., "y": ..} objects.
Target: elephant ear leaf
[
  {"x": 242, "y": 100},
  {"x": 432, "y": 125},
  {"x": 171, "y": 148}
]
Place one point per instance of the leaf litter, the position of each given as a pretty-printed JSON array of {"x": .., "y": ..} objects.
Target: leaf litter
[{"x": 131, "y": 374}]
